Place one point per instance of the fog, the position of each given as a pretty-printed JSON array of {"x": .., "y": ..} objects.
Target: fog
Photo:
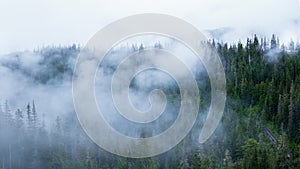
[
  {"x": 44, "y": 76},
  {"x": 31, "y": 24},
  {"x": 42, "y": 79},
  {"x": 28, "y": 76}
]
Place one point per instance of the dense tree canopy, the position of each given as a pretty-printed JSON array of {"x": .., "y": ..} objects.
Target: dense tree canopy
[{"x": 260, "y": 127}]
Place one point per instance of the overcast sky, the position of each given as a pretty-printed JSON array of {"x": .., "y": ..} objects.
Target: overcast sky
[{"x": 25, "y": 25}]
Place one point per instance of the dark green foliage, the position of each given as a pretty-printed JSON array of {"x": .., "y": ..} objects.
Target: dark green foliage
[{"x": 260, "y": 127}]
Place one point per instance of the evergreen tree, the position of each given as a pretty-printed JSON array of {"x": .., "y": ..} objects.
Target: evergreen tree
[
  {"x": 273, "y": 42},
  {"x": 19, "y": 119},
  {"x": 291, "y": 121}
]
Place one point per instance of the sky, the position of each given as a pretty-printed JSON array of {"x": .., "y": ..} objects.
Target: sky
[{"x": 30, "y": 24}]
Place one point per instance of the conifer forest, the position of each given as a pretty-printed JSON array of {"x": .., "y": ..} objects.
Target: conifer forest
[{"x": 259, "y": 129}]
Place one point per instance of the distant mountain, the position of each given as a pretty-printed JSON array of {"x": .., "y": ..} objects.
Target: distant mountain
[{"x": 219, "y": 33}]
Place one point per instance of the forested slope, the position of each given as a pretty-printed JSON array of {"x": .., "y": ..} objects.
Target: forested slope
[{"x": 260, "y": 127}]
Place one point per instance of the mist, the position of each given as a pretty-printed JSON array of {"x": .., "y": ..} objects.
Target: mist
[
  {"x": 46, "y": 132},
  {"x": 43, "y": 77}
]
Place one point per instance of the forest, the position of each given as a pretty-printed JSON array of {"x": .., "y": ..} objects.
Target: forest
[{"x": 260, "y": 127}]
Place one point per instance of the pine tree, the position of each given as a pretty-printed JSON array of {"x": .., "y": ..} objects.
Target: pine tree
[
  {"x": 283, "y": 152},
  {"x": 273, "y": 42},
  {"x": 8, "y": 119},
  {"x": 29, "y": 116},
  {"x": 250, "y": 154},
  {"x": 1, "y": 117},
  {"x": 292, "y": 46},
  {"x": 141, "y": 47},
  {"x": 196, "y": 161},
  {"x": 291, "y": 121},
  {"x": 19, "y": 119},
  {"x": 280, "y": 114},
  {"x": 35, "y": 120}
]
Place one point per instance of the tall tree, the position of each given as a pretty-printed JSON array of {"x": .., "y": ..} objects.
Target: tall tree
[
  {"x": 291, "y": 122},
  {"x": 273, "y": 42}
]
